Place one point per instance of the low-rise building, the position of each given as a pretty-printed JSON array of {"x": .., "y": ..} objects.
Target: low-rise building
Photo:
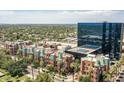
[
  {"x": 94, "y": 65},
  {"x": 13, "y": 47}
]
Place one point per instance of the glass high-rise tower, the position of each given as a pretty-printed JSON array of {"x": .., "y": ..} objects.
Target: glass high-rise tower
[{"x": 107, "y": 36}]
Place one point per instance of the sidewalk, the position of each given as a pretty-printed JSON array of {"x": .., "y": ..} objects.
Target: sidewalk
[{"x": 57, "y": 77}]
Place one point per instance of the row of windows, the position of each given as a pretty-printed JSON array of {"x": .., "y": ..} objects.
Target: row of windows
[{"x": 105, "y": 35}]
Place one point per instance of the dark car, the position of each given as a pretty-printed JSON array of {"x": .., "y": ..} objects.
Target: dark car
[
  {"x": 117, "y": 80},
  {"x": 120, "y": 76},
  {"x": 121, "y": 73}
]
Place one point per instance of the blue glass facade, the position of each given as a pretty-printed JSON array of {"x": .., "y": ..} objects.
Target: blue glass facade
[{"x": 107, "y": 36}]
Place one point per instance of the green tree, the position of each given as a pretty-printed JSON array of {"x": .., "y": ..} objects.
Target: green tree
[
  {"x": 5, "y": 60},
  {"x": 50, "y": 68},
  {"x": 84, "y": 79},
  {"x": 121, "y": 62},
  {"x": 36, "y": 64},
  {"x": 107, "y": 76},
  {"x": 44, "y": 77},
  {"x": 75, "y": 66},
  {"x": 28, "y": 79},
  {"x": 42, "y": 63},
  {"x": 59, "y": 66},
  {"x": 17, "y": 69},
  {"x": 72, "y": 68},
  {"x": 63, "y": 72}
]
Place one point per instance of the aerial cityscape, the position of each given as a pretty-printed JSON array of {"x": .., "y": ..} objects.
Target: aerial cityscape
[{"x": 77, "y": 51}]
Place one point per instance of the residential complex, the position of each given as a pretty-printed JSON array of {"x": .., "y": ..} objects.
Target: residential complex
[
  {"x": 94, "y": 65},
  {"x": 99, "y": 45}
]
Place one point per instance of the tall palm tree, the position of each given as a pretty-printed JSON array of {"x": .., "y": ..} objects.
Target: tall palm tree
[
  {"x": 59, "y": 66},
  {"x": 32, "y": 69},
  {"x": 18, "y": 54},
  {"x": 42, "y": 63},
  {"x": 75, "y": 66},
  {"x": 30, "y": 59},
  {"x": 37, "y": 65},
  {"x": 121, "y": 62},
  {"x": 84, "y": 78},
  {"x": 113, "y": 71},
  {"x": 108, "y": 76},
  {"x": 72, "y": 67}
]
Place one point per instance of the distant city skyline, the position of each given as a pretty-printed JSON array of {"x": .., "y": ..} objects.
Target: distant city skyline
[{"x": 58, "y": 16}]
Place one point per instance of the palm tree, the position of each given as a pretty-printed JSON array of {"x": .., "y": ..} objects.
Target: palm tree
[
  {"x": 18, "y": 54},
  {"x": 42, "y": 63},
  {"x": 59, "y": 66},
  {"x": 37, "y": 65},
  {"x": 44, "y": 77},
  {"x": 107, "y": 76},
  {"x": 30, "y": 59},
  {"x": 114, "y": 71},
  {"x": 75, "y": 66},
  {"x": 50, "y": 68},
  {"x": 72, "y": 67},
  {"x": 121, "y": 62},
  {"x": 84, "y": 79}
]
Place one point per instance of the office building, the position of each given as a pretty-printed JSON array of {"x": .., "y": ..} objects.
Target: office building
[{"x": 94, "y": 38}]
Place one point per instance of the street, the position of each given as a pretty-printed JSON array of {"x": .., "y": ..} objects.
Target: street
[
  {"x": 120, "y": 77},
  {"x": 32, "y": 73}
]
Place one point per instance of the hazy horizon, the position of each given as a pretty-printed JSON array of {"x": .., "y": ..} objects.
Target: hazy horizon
[{"x": 59, "y": 16}]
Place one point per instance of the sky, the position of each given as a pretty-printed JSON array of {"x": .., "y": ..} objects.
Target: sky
[{"x": 58, "y": 16}]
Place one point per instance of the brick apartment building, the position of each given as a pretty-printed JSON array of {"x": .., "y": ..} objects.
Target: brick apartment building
[
  {"x": 14, "y": 46},
  {"x": 94, "y": 65}
]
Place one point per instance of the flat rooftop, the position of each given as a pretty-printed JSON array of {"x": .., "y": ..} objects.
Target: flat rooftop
[{"x": 85, "y": 49}]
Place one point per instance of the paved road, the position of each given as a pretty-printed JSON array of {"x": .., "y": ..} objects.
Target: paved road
[
  {"x": 57, "y": 77},
  {"x": 67, "y": 78},
  {"x": 120, "y": 77},
  {"x": 31, "y": 74}
]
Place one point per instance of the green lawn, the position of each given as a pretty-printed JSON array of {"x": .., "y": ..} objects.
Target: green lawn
[
  {"x": 3, "y": 71},
  {"x": 8, "y": 78}
]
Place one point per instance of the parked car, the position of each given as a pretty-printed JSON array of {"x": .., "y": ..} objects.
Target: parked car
[
  {"x": 121, "y": 73},
  {"x": 120, "y": 76},
  {"x": 117, "y": 80}
]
